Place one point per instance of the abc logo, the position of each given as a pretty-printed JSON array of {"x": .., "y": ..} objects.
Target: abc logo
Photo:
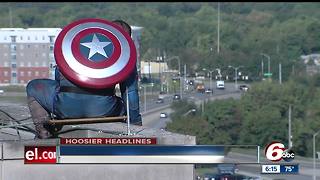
[
  {"x": 288, "y": 155},
  {"x": 276, "y": 151}
]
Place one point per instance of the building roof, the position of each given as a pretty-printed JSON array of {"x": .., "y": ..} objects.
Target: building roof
[
  {"x": 310, "y": 56},
  {"x": 35, "y": 35},
  {"x": 313, "y": 57},
  {"x": 28, "y": 35}
]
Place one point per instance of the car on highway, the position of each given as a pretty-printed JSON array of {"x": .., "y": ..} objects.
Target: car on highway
[
  {"x": 209, "y": 176},
  {"x": 243, "y": 87},
  {"x": 159, "y": 101},
  {"x": 162, "y": 95},
  {"x": 209, "y": 91},
  {"x": 200, "y": 88},
  {"x": 220, "y": 84},
  {"x": 191, "y": 82},
  {"x": 163, "y": 115},
  {"x": 176, "y": 97},
  {"x": 233, "y": 177}
]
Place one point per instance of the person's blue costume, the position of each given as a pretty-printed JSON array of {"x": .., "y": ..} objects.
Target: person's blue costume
[{"x": 64, "y": 100}]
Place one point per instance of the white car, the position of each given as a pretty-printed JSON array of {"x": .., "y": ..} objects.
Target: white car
[
  {"x": 160, "y": 100},
  {"x": 220, "y": 84},
  {"x": 244, "y": 87},
  {"x": 208, "y": 91},
  {"x": 1, "y": 91},
  {"x": 163, "y": 115}
]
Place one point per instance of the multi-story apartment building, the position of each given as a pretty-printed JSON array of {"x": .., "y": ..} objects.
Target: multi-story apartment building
[{"x": 27, "y": 54}]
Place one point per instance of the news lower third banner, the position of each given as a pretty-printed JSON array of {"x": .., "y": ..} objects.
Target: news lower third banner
[
  {"x": 140, "y": 154},
  {"x": 124, "y": 151},
  {"x": 151, "y": 154}
]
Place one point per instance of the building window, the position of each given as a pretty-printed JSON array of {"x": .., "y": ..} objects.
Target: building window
[
  {"x": 44, "y": 54},
  {"x": 5, "y": 38},
  {"x": 13, "y": 39},
  {"x": 28, "y": 37},
  {"x": 36, "y": 64},
  {"x": 29, "y": 64},
  {"x": 6, "y": 64},
  {"x": 29, "y": 73},
  {"x": 36, "y": 73},
  {"x": 21, "y": 46},
  {"x": 44, "y": 64},
  {"x": 21, "y": 38},
  {"x": 14, "y": 65},
  {"x": 42, "y": 37},
  {"x": 5, "y": 73},
  {"x": 51, "y": 47},
  {"x": 21, "y": 54},
  {"x": 13, "y": 56},
  {"x": 13, "y": 47},
  {"x": 43, "y": 46},
  {"x": 21, "y": 73},
  {"x": 5, "y": 54},
  {"x": 14, "y": 74},
  {"x": 51, "y": 56},
  {"x": 51, "y": 39},
  {"x": 21, "y": 64},
  {"x": 36, "y": 46},
  {"x": 36, "y": 38}
]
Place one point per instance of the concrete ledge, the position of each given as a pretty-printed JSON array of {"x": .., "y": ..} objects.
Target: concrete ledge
[
  {"x": 16, "y": 170},
  {"x": 14, "y": 149},
  {"x": 12, "y": 165}
]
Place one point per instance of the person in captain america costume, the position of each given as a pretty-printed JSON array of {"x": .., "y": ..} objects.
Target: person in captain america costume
[{"x": 63, "y": 99}]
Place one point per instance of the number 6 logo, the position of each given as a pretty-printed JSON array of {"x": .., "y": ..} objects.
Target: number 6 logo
[{"x": 274, "y": 151}]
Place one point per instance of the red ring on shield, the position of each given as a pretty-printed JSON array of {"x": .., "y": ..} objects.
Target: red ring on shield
[
  {"x": 89, "y": 82},
  {"x": 75, "y": 47}
]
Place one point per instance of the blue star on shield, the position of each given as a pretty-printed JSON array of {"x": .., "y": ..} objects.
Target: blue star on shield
[{"x": 96, "y": 47}]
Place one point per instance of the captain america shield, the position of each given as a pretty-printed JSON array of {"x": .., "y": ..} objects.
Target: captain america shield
[{"x": 95, "y": 53}]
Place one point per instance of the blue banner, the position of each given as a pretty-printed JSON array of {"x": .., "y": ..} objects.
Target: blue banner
[
  {"x": 140, "y": 150},
  {"x": 289, "y": 168}
]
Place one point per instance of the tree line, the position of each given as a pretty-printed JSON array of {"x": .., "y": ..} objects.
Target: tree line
[
  {"x": 258, "y": 118},
  {"x": 284, "y": 31}
]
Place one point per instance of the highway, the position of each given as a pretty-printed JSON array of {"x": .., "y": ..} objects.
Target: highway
[
  {"x": 168, "y": 98},
  {"x": 151, "y": 118}
]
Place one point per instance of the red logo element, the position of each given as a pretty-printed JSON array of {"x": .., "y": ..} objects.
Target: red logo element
[
  {"x": 276, "y": 151},
  {"x": 95, "y": 53},
  {"x": 40, "y": 155}
]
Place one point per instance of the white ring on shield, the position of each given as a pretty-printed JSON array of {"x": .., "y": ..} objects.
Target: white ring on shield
[{"x": 87, "y": 71}]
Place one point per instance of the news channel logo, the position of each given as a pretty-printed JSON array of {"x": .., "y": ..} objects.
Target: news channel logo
[{"x": 276, "y": 151}]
